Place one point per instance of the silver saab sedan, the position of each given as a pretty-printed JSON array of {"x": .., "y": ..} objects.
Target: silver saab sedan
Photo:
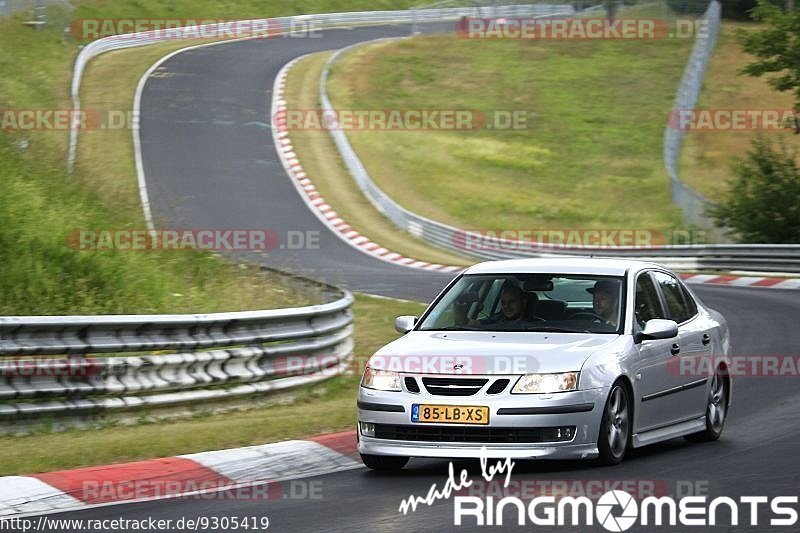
[{"x": 547, "y": 358}]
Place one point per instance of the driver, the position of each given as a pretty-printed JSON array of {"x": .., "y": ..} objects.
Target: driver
[
  {"x": 605, "y": 301},
  {"x": 512, "y": 308},
  {"x": 512, "y": 305}
]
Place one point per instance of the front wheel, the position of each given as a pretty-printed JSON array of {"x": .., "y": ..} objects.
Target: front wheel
[
  {"x": 615, "y": 428},
  {"x": 384, "y": 463},
  {"x": 716, "y": 411}
]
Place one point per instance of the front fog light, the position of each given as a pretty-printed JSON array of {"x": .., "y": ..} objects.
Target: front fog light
[
  {"x": 367, "y": 429},
  {"x": 565, "y": 433}
]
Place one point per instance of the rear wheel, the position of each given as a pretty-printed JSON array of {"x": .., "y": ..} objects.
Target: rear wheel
[
  {"x": 384, "y": 463},
  {"x": 615, "y": 428},
  {"x": 716, "y": 411}
]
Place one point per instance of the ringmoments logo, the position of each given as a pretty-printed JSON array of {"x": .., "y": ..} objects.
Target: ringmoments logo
[
  {"x": 618, "y": 510},
  {"x": 616, "y": 499},
  {"x": 615, "y": 510}
]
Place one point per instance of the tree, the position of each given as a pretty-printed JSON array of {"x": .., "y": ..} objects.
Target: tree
[
  {"x": 777, "y": 47},
  {"x": 611, "y": 9},
  {"x": 763, "y": 204}
]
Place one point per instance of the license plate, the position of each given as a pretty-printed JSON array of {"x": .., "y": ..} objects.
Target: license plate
[{"x": 449, "y": 414}]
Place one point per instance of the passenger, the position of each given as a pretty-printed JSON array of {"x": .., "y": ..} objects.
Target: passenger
[{"x": 605, "y": 301}]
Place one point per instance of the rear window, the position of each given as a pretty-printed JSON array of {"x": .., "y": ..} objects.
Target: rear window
[{"x": 677, "y": 307}]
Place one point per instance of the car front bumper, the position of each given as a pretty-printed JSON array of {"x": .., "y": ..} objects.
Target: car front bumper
[{"x": 579, "y": 409}]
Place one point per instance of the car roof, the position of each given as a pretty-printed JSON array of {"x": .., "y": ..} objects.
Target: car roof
[{"x": 562, "y": 265}]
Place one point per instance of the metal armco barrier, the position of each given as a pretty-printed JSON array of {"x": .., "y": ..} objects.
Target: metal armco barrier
[
  {"x": 9, "y": 7},
  {"x": 691, "y": 202},
  {"x": 325, "y": 20},
  {"x": 762, "y": 258},
  {"x": 267, "y": 350}
]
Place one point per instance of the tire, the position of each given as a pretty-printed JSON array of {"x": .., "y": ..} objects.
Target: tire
[
  {"x": 384, "y": 463},
  {"x": 716, "y": 411},
  {"x": 615, "y": 428}
]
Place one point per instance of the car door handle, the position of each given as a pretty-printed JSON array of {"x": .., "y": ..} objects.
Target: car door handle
[
  {"x": 706, "y": 339},
  {"x": 676, "y": 349}
]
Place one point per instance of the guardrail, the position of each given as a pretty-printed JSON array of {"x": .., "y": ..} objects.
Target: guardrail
[
  {"x": 265, "y": 351},
  {"x": 8, "y": 7},
  {"x": 691, "y": 202},
  {"x": 762, "y": 258},
  {"x": 244, "y": 29}
]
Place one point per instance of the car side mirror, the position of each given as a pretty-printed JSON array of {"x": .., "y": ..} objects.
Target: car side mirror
[
  {"x": 658, "y": 328},
  {"x": 404, "y": 324}
]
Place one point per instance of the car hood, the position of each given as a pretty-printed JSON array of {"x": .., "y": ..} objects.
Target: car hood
[{"x": 480, "y": 352}]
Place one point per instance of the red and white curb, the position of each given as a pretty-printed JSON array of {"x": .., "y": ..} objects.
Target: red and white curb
[
  {"x": 229, "y": 474},
  {"x": 742, "y": 281},
  {"x": 312, "y": 197},
  {"x": 329, "y": 217}
]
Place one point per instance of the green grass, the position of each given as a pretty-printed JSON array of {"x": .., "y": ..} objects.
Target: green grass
[
  {"x": 323, "y": 165},
  {"x": 226, "y": 9},
  {"x": 323, "y": 408},
  {"x": 590, "y": 158},
  {"x": 708, "y": 156},
  {"x": 41, "y": 273}
]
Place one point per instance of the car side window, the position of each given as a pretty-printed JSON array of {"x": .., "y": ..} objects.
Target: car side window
[
  {"x": 672, "y": 291},
  {"x": 690, "y": 303},
  {"x": 647, "y": 305}
]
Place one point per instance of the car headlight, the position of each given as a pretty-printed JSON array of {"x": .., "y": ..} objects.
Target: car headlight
[
  {"x": 380, "y": 379},
  {"x": 546, "y": 383}
]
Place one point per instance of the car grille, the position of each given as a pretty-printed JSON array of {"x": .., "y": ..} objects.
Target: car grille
[
  {"x": 454, "y": 386},
  {"x": 474, "y": 434},
  {"x": 411, "y": 385},
  {"x": 498, "y": 386}
]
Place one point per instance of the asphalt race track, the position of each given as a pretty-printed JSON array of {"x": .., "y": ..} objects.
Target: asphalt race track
[
  {"x": 210, "y": 165},
  {"x": 210, "y": 160},
  {"x": 757, "y": 454}
]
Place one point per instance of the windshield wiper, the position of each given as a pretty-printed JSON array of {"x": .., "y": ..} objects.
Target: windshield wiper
[
  {"x": 558, "y": 330},
  {"x": 451, "y": 328}
]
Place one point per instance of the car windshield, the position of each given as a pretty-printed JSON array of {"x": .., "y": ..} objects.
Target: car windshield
[{"x": 529, "y": 302}]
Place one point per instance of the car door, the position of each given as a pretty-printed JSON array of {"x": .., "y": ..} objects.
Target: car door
[
  {"x": 693, "y": 346},
  {"x": 652, "y": 379}
]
